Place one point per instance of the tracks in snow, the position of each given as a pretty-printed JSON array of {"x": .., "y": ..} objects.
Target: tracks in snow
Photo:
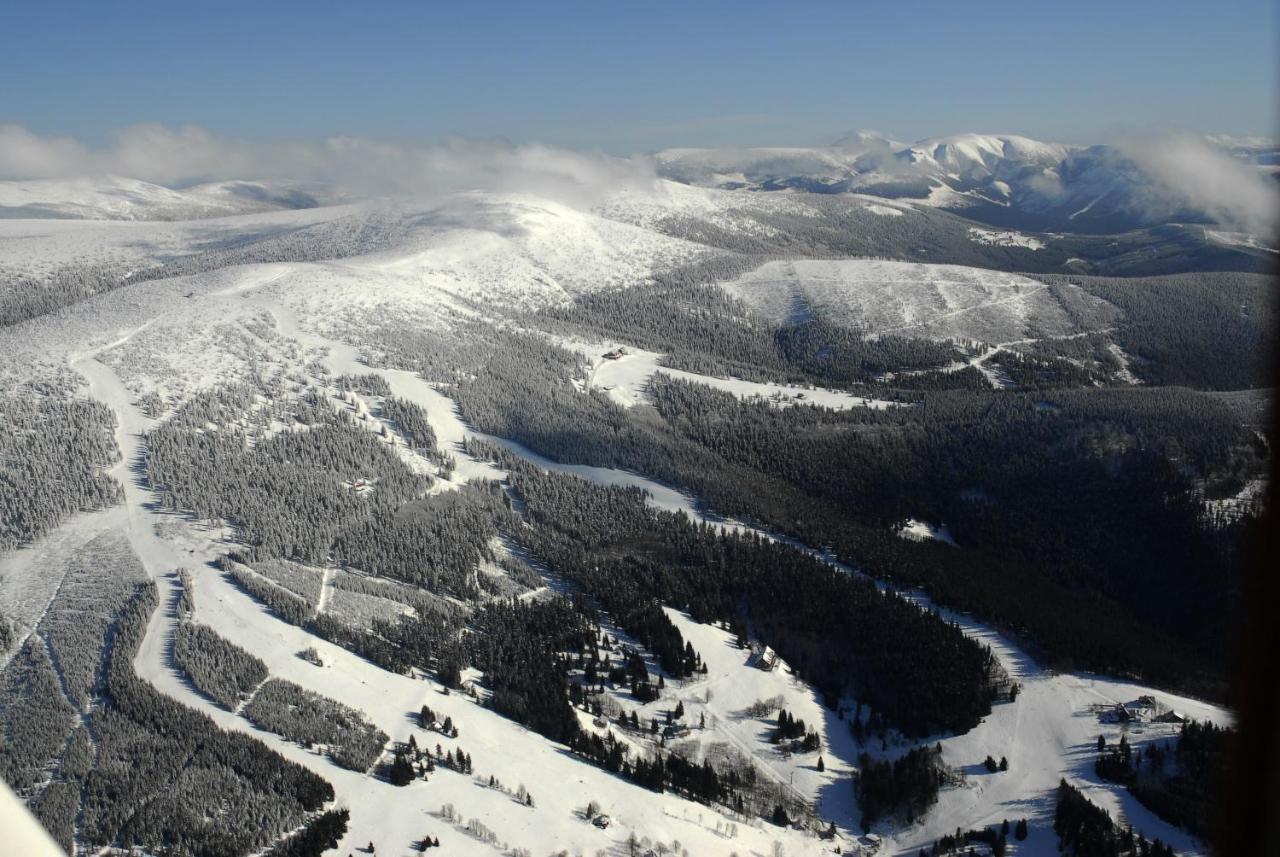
[{"x": 326, "y": 587}]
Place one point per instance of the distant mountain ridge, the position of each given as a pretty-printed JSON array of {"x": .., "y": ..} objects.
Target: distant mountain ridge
[
  {"x": 118, "y": 198},
  {"x": 1004, "y": 180}
]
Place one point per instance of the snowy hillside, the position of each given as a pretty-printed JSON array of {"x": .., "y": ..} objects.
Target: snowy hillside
[
  {"x": 932, "y": 301},
  {"x": 1004, "y": 180},
  {"x": 116, "y": 198},
  {"x": 624, "y": 523}
]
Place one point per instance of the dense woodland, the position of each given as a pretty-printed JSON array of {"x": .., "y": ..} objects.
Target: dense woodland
[
  {"x": 309, "y": 719},
  {"x": 1212, "y": 331},
  {"x": 519, "y": 648},
  {"x": 837, "y": 630},
  {"x": 965, "y": 842},
  {"x": 1012, "y": 473},
  {"x": 294, "y": 494},
  {"x": 320, "y": 834},
  {"x": 906, "y": 786},
  {"x": 1086, "y": 830},
  {"x": 1180, "y": 780},
  {"x": 222, "y": 671},
  {"x": 53, "y": 451},
  {"x": 702, "y": 329}
]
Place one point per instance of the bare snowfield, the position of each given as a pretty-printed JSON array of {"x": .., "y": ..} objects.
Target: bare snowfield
[
  {"x": 651, "y": 207},
  {"x": 1237, "y": 239},
  {"x": 925, "y": 300},
  {"x": 923, "y": 530},
  {"x": 1005, "y": 238},
  {"x": 625, "y": 377},
  {"x": 884, "y": 210}
]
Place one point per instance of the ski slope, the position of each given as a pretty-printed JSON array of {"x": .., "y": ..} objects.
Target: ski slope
[
  {"x": 392, "y": 817},
  {"x": 625, "y": 378},
  {"x": 943, "y": 302}
]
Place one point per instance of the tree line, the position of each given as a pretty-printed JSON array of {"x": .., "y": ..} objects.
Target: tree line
[{"x": 1181, "y": 781}]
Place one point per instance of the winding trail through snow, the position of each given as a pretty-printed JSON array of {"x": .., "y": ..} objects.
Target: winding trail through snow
[
  {"x": 1047, "y": 733},
  {"x": 390, "y": 816}
]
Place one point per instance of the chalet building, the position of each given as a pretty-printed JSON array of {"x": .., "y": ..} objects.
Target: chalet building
[{"x": 764, "y": 658}]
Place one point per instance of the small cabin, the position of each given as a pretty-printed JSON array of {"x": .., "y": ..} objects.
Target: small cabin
[
  {"x": 615, "y": 353},
  {"x": 766, "y": 659}
]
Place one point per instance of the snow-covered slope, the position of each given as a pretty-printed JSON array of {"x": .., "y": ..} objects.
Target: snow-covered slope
[
  {"x": 1002, "y": 179},
  {"x": 909, "y": 299},
  {"x": 464, "y": 253},
  {"x": 870, "y": 162},
  {"x": 116, "y": 198},
  {"x": 336, "y": 273}
]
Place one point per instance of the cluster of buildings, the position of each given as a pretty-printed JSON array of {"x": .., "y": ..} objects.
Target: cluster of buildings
[{"x": 1144, "y": 709}]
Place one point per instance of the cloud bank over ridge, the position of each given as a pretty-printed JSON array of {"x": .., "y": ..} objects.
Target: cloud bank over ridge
[
  {"x": 360, "y": 165},
  {"x": 1165, "y": 174}
]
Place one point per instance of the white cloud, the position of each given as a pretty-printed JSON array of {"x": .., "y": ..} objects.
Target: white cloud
[
  {"x": 1194, "y": 172},
  {"x": 27, "y": 156},
  {"x": 361, "y": 165},
  {"x": 1180, "y": 171}
]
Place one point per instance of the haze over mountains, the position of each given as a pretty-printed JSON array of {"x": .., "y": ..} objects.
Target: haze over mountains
[
  {"x": 1018, "y": 182},
  {"x": 1004, "y": 180}
]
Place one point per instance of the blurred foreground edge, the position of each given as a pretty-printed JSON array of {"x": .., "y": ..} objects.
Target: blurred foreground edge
[
  {"x": 1249, "y": 818},
  {"x": 22, "y": 834}
]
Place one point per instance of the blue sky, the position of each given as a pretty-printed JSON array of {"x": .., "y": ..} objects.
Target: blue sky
[{"x": 632, "y": 77}]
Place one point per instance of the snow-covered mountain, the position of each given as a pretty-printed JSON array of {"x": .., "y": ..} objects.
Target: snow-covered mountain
[
  {"x": 1001, "y": 179},
  {"x": 374, "y": 319},
  {"x": 116, "y": 198}
]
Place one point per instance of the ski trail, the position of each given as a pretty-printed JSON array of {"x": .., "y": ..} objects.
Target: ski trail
[
  {"x": 1020, "y": 296},
  {"x": 31, "y": 576},
  {"x": 380, "y": 812},
  {"x": 326, "y": 586},
  {"x": 244, "y": 703},
  {"x": 1035, "y": 731}
]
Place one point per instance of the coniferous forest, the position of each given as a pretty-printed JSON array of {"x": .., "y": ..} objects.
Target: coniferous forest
[{"x": 856, "y": 540}]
